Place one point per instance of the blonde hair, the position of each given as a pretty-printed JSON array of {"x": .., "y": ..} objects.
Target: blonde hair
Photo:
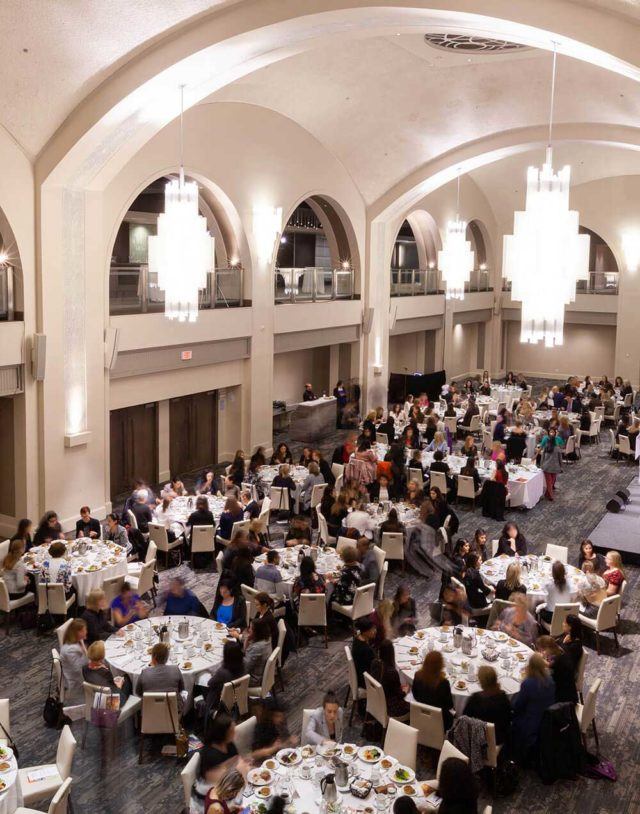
[
  {"x": 72, "y": 633},
  {"x": 488, "y": 678},
  {"x": 438, "y": 438},
  {"x": 349, "y": 555},
  {"x": 16, "y": 550},
  {"x": 229, "y": 785},
  {"x": 371, "y": 415},
  {"x": 537, "y": 668},
  {"x": 512, "y": 578},
  {"x": 94, "y": 598},
  {"x": 616, "y": 559},
  {"x": 96, "y": 651},
  {"x": 385, "y": 610},
  {"x": 284, "y": 471},
  {"x": 519, "y": 600}
]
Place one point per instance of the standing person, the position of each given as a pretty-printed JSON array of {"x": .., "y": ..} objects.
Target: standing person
[
  {"x": 308, "y": 394},
  {"x": 551, "y": 460},
  {"x": 340, "y": 395},
  {"x": 73, "y": 657},
  {"x": 537, "y": 693}
]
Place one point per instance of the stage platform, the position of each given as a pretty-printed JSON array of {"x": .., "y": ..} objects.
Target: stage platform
[{"x": 621, "y": 532}]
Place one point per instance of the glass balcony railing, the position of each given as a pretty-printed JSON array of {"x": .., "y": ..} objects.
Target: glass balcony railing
[
  {"x": 134, "y": 290},
  {"x": 599, "y": 282},
  {"x": 313, "y": 284},
  {"x": 414, "y": 282},
  {"x": 6, "y": 293}
]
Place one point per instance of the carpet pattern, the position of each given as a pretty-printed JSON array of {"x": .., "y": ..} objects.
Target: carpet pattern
[{"x": 120, "y": 785}]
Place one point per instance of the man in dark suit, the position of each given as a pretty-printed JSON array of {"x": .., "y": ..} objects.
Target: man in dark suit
[
  {"x": 382, "y": 489},
  {"x": 308, "y": 394},
  {"x": 161, "y": 677}
]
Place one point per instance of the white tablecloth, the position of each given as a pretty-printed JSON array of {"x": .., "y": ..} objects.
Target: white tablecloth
[
  {"x": 535, "y": 577},
  {"x": 510, "y": 676},
  {"x": 88, "y": 571},
  {"x": 327, "y": 562},
  {"x": 298, "y": 473},
  {"x": 10, "y": 798},
  {"x": 181, "y": 507},
  {"x": 131, "y": 659}
]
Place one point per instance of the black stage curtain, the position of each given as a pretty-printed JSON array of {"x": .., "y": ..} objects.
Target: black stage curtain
[{"x": 401, "y": 384}]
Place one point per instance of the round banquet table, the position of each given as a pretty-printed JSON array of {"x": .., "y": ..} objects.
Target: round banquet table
[
  {"x": 298, "y": 473},
  {"x": 202, "y": 649},
  {"x": 10, "y": 797},
  {"x": 534, "y": 577},
  {"x": 411, "y": 650},
  {"x": 327, "y": 562},
  {"x": 181, "y": 507},
  {"x": 305, "y": 794},
  {"x": 102, "y": 560}
]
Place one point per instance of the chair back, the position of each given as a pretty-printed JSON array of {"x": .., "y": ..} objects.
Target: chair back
[
  {"x": 265, "y": 586},
  {"x": 381, "y": 438},
  {"x": 65, "y": 752},
  {"x": 557, "y": 552},
  {"x": 491, "y": 759},
  {"x": 427, "y": 721},
  {"x": 438, "y": 479},
  {"x": 487, "y": 440},
  {"x": 132, "y": 519},
  {"x": 282, "y": 635},
  {"x": 250, "y": 598},
  {"x": 475, "y": 424},
  {"x": 401, "y": 742},
  {"x": 623, "y": 445},
  {"x": 381, "y": 581},
  {"x": 338, "y": 469},
  {"x": 279, "y": 496},
  {"x": 451, "y": 423},
  {"x": 338, "y": 484},
  {"x": 244, "y": 735},
  {"x": 269, "y": 674},
  {"x": 416, "y": 475},
  {"x": 316, "y": 494},
  {"x": 392, "y": 543},
  {"x": 344, "y": 542},
  {"x": 159, "y": 713},
  {"x": 265, "y": 509},
  {"x": 570, "y": 446},
  {"x": 380, "y": 556},
  {"x": 5, "y": 720},
  {"x": 313, "y": 610},
  {"x": 352, "y": 673},
  {"x": 589, "y": 708},
  {"x": 496, "y": 609},
  {"x": 60, "y": 631},
  {"x": 442, "y": 539},
  {"x": 4, "y": 597},
  {"x": 306, "y": 717},
  {"x": 599, "y": 412},
  {"x": 152, "y": 550},
  {"x": 466, "y": 487},
  {"x": 608, "y": 613},
  {"x": 240, "y": 525},
  {"x": 158, "y": 535},
  {"x": 57, "y": 672},
  {"x": 494, "y": 547},
  {"x": 449, "y": 750},
  {"x": 60, "y": 802},
  {"x": 363, "y": 600},
  {"x": 51, "y": 596},
  {"x": 111, "y": 587},
  {"x": 4, "y": 550},
  {"x": 202, "y": 539},
  {"x": 145, "y": 581},
  {"x": 89, "y": 691},
  {"x": 560, "y": 613},
  {"x": 219, "y": 559},
  {"x": 582, "y": 663},
  {"x": 188, "y": 776},
  {"x": 323, "y": 528},
  {"x": 236, "y": 692},
  {"x": 376, "y": 700}
]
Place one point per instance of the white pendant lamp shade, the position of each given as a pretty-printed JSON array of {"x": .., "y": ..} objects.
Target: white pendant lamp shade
[
  {"x": 182, "y": 252},
  {"x": 456, "y": 259},
  {"x": 545, "y": 256}
]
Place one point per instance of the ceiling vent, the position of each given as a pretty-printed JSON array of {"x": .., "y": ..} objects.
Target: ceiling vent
[{"x": 468, "y": 44}]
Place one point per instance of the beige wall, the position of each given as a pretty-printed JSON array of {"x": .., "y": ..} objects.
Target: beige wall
[
  {"x": 404, "y": 352},
  {"x": 464, "y": 350},
  {"x": 587, "y": 349},
  {"x": 292, "y": 370}
]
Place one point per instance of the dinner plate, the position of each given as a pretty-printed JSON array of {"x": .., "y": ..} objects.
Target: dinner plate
[
  {"x": 388, "y": 763},
  {"x": 6, "y": 752},
  {"x": 349, "y": 751},
  {"x": 260, "y": 777},
  {"x": 499, "y": 636},
  {"x": 408, "y": 775},
  {"x": 370, "y": 754},
  {"x": 328, "y": 749},
  {"x": 289, "y": 757}
]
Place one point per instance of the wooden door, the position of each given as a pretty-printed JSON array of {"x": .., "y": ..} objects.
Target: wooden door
[
  {"x": 193, "y": 432},
  {"x": 134, "y": 447}
]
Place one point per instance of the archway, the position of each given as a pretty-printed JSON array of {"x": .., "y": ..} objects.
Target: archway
[{"x": 603, "y": 266}]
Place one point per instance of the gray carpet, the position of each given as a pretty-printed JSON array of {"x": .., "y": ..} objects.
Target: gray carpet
[{"x": 123, "y": 786}]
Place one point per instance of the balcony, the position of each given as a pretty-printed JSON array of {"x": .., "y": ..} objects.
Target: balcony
[
  {"x": 599, "y": 282},
  {"x": 7, "y": 313},
  {"x": 134, "y": 290},
  {"x": 313, "y": 284},
  {"x": 420, "y": 282}
]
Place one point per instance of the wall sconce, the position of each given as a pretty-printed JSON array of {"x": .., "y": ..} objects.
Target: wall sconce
[
  {"x": 631, "y": 249},
  {"x": 267, "y": 224}
]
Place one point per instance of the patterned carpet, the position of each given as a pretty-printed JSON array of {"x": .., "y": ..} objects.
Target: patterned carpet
[{"x": 120, "y": 785}]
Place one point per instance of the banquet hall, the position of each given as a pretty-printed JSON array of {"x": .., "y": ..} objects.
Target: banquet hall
[{"x": 319, "y": 406}]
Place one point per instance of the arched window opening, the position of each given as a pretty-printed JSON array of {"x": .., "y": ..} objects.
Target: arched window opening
[
  {"x": 480, "y": 279},
  {"x": 11, "y": 293},
  {"x": 603, "y": 268}
]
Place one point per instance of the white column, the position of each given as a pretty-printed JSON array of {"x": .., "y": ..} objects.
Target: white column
[
  {"x": 375, "y": 364},
  {"x": 164, "y": 440}
]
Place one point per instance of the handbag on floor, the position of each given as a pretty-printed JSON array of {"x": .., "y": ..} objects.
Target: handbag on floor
[
  {"x": 182, "y": 739},
  {"x": 53, "y": 712}
]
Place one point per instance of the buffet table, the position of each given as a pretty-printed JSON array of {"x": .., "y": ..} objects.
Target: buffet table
[{"x": 313, "y": 420}]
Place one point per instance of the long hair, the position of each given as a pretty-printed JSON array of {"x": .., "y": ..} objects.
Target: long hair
[
  {"x": 559, "y": 574},
  {"x": 537, "y": 668},
  {"x": 16, "y": 550},
  {"x": 432, "y": 671}
]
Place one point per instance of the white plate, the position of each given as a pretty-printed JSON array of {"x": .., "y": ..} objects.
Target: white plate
[
  {"x": 254, "y": 777},
  {"x": 411, "y": 775},
  {"x": 391, "y": 760},
  {"x": 328, "y": 749},
  {"x": 296, "y": 757},
  {"x": 350, "y": 755},
  {"x": 6, "y": 753},
  {"x": 364, "y": 749},
  {"x": 499, "y": 636}
]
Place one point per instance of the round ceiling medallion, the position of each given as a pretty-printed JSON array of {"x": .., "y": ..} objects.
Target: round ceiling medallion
[{"x": 468, "y": 44}]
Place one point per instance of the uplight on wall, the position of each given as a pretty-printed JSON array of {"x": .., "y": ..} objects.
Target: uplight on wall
[
  {"x": 267, "y": 225},
  {"x": 631, "y": 250}
]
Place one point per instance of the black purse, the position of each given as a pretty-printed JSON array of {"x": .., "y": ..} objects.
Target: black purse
[{"x": 53, "y": 712}]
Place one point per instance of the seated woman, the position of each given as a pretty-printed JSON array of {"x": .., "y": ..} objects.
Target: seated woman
[
  {"x": 511, "y": 582},
  {"x": 325, "y": 722},
  {"x": 24, "y": 532},
  {"x": 405, "y": 616},
  {"x": 613, "y": 577},
  {"x": 382, "y": 620},
  {"x": 479, "y": 544},
  {"x": 588, "y": 554},
  {"x": 384, "y": 670},
  {"x": 382, "y": 489},
  {"x": 232, "y": 513},
  {"x": 497, "y": 453},
  {"x": 536, "y": 695},
  {"x": 469, "y": 448},
  {"x": 73, "y": 657},
  {"x": 350, "y": 578},
  {"x": 55, "y": 567},
  {"x": 282, "y": 455},
  {"x": 217, "y": 755},
  {"x": 517, "y": 622},
  {"x": 338, "y": 512},
  {"x": 477, "y": 591},
  {"x": 227, "y": 786},
  {"x": 392, "y": 524},
  {"x": 232, "y": 668},
  {"x": 314, "y": 478},
  {"x": 257, "y": 650},
  {"x": 469, "y": 471},
  {"x": 271, "y": 733},
  {"x": 438, "y": 444},
  {"x": 14, "y": 571},
  {"x": 571, "y": 641},
  {"x": 164, "y": 517},
  {"x": 229, "y": 606},
  {"x": 414, "y": 495},
  {"x": 96, "y": 616},
  {"x": 457, "y": 788},
  {"x": 127, "y": 607},
  {"x": 430, "y": 686},
  {"x": 49, "y": 530},
  {"x": 512, "y": 541},
  {"x": 491, "y": 704},
  {"x": 96, "y": 671},
  {"x": 206, "y": 484},
  {"x": 361, "y": 469},
  {"x": 117, "y": 533},
  {"x": 558, "y": 591}
]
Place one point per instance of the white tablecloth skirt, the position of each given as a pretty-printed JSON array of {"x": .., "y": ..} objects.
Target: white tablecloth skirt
[
  {"x": 11, "y": 798},
  {"x": 527, "y": 494}
]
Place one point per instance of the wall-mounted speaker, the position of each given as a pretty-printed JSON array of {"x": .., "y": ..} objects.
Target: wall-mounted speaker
[
  {"x": 111, "y": 344},
  {"x": 367, "y": 321},
  {"x": 38, "y": 356}
]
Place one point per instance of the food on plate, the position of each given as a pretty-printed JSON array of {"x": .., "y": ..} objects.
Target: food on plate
[
  {"x": 187, "y": 665},
  {"x": 521, "y": 656},
  {"x": 264, "y": 791},
  {"x": 270, "y": 764},
  {"x": 207, "y": 646},
  {"x": 349, "y": 749},
  {"x": 386, "y": 763},
  {"x": 409, "y": 790},
  {"x": 420, "y": 634},
  {"x": 3, "y": 752},
  {"x": 413, "y": 651},
  {"x": 370, "y": 754},
  {"x": 426, "y": 789},
  {"x": 260, "y": 777},
  {"x": 461, "y": 685},
  {"x": 513, "y": 643},
  {"x": 219, "y": 626},
  {"x": 130, "y": 627},
  {"x": 445, "y": 628},
  {"x": 288, "y": 757},
  {"x": 4, "y": 767},
  {"x": 401, "y": 774},
  {"x": 307, "y": 751},
  {"x": 129, "y": 643},
  {"x": 3, "y": 785}
]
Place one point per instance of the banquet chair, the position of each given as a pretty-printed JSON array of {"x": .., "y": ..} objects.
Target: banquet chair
[
  {"x": 438, "y": 479},
  {"x": 474, "y": 427},
  {"x": 268, "y": 678},
  {"x": 582, "y": 663},
  {"x": 160, "y": 716},
  {"x": 569, "y": 448},
  {"x": 131, "y": 707},
  {"x": 338, "y": 469},
  {"x": 467, "y": 490},
  {"x": 560, "y": 613},
  {"x": 244, "y": 735},
  {"x": 250, "y": 599},
  {"x": 202, "y": 540},
  {"x": 338, "y": 484},
  {"x": 392, "y": 543},
  {"x": 143, "y": 585},
  {"x": 442, "y": 539},
  {"x": 4, "y": 550},
  {"x": 496, "y": 609},
  {"x": 401, "y": 742},
  {"x": 362, "y": 603},
  {"x": 236, "y": 693},
  {"x": 316, "y": 495},
  {"x": 357, "y": 693},
  {"x": 344, "y": 542},
  {"x": 132, "y": 519},
  {"x": 282, "y": 635},
  {"x": 416, "y": 475},
  {"x": 188, "y": 777},
  {"x": 52, "y": 598},
  {"x": 56, "y": 772},
  {"x": 280, "y": 499},
  {"x": 59, "y": 803},
  {"x": 451, "y": 423},
  {"x": 60, "y": 631},
  {"x": 5, "y": 721},
  {"x": 381, "y": 581},
  {"x": 376, "y": 707},
  {"x": 607, "y": 619},
  {"x": 381, "y": 438},
  {"x": 158, "y": 535},
  {"x": 111, "y": 586},
  {"x": 624, "y": 448},
  {"x": 494, "y": 547},
  {"x": 134, "y": 568},
  {"x": 323, "y": 529},
  {"x": 586, "y": 713},
  {"x": 9, "y": 606},
  {"x": 306, "y": 717},
  {"x": 493, "y": 749},
  {"x": 312, "y": 612},
  {"x": 487, "y": 440},
  {"x": 240, "y": 525},
  {"x": 448, "y": 750},
  {"x": 57, "y": 673},
  {"x": 219, "y": 559},
  {"x": 557, "y": 552},
  {"x": 429, "y": 724}
]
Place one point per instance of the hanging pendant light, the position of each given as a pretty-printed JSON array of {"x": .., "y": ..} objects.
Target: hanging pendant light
[
  {"x": 182, "y": 252},
  {"x": 455, "y": 260},
  {"x": 545, "y": 256}
]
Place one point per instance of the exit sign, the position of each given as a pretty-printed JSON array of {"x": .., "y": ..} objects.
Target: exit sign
[{"x": 186, "y": 355}]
